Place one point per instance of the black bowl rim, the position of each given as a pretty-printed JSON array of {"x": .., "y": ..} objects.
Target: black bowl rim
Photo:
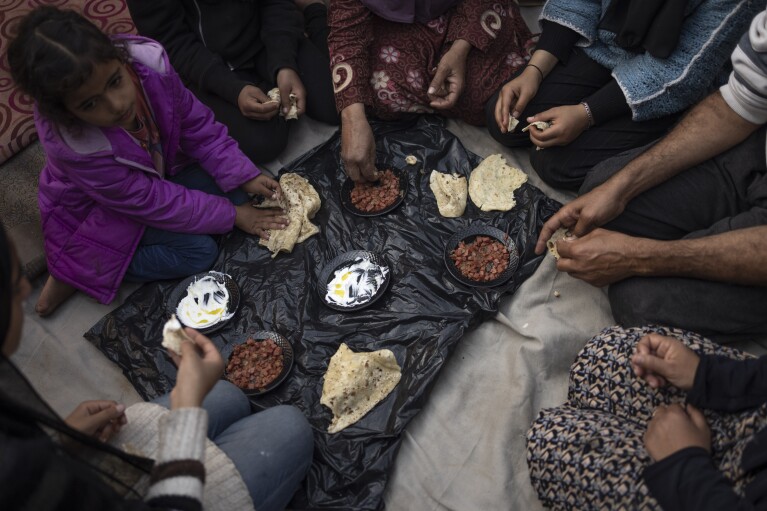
[
  {"x": 479, "y": 229},
  {"x": 345, "y": 258},
  {"x": 260, "y": 335},
  {"x": 346, "y": 189},
  {"x": 178, "y": 293}
]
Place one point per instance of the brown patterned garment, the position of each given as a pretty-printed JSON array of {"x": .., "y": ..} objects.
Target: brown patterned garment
[
  {"x": 589, "y": 453},
  {"x": 17, "y": 129},
  {"x": 388, "y": 66}
]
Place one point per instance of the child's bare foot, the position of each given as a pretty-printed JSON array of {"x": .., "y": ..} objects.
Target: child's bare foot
[
  {"x": 54, "y": 293},
  {"x": 303, "y": 4}
]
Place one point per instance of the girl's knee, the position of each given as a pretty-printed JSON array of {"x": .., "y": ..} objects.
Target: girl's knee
[
  {"x": 554, "y": 167},
  {"x": 296, "y": 428}
]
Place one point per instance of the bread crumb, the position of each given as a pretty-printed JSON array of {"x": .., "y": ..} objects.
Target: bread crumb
[
  {"x": 411, "y": 160},
  {"x": 557, "y": 294}
]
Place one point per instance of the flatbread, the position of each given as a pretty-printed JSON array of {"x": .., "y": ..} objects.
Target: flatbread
[
  {"x": 356, "y": 382},
  {"x": 450, "y": 190},
  {"x": 300, "y": 201},
  {"x": 559, "y": 234},
  {"x": 513, "y": 123},
  {"x": 276, "y": 97},
  {"x": 173, "y": 335},
  {"x": 493, "y": 182}
]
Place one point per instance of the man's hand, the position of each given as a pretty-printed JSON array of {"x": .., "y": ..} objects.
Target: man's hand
[
  {"x": 99, "y": 419},
  {"x": 289, "y": 83},
  {"x": 585, "y": 213},
  {"x": 258, "y": 221},
  {"x": 358, "y": 147},
  {"x": 676, "y": 427},
  {"x": 515, "y": 96},
  {"x": 660, "y": 360},
  {"x": 199, "y": 368},
  {"x": 254, "y": 104},
  {"x": 263, "y": 185},
  {"x": 567, "y": 124},
  {"x": 448, "y": 82},
  {"x": 599, "y": 258}
]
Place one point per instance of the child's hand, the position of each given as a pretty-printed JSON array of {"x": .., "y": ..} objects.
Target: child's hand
[
  {"x": 254, "y": 104},
  {"x": 258, "y": 221},
  {"x": 199, "y": 368},
  {"x": 659, "y": 360},
  {"x": 263, "y": 185}
]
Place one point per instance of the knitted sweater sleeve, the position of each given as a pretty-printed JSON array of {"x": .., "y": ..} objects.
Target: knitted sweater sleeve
[
  {"x": 178, "y": 476},
  {"x": 746, "y": 91},
  {"x": 656, "y": 87}
]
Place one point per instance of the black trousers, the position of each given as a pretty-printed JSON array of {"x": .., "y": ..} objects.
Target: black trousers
[
  {"x": 262, "y": 141},
  {"x": 567, "y": 166},
  {"x": 723, "y": 194}
]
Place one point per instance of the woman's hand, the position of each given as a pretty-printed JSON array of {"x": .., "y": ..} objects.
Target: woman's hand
[
  {"x": 515, "y": 96},
  {"x": 659, "y": 360},
  {"x": 448, "y": 82},
  {"x": 254, "y": 104},
  {"x": 676, "y": 427},
  {"x": 567, "y": 123},
  {"x": 358, "y": 147},
  {"x": 263, "y": 185},
  {"x": 99, "y": 419},
  {"x": 258, "y": 221},
  {"x": 289, "y": 83},
  {"x": 199, "y": 368}
]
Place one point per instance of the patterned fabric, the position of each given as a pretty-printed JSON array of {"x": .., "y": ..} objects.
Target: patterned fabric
[
  {"x": 389, "y": 66},
  {"x": 589, "y": 453},
  {"x": 17, "y": 128}
]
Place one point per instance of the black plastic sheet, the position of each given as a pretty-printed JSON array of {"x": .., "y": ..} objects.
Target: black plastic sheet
[{"x": 421, "y": 318}]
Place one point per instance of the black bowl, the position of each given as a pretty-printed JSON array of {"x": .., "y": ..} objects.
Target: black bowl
[
  {"x": 345, "y": 259},
  {"x": 179, "y": 292},
  {"x": 469, "y": 235},
  {"x": 260, "y": 335},
  {"x": 346, "y": 195}
]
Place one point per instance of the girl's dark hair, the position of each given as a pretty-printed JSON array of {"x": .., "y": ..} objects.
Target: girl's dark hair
[{"x": 53, "y": 54}]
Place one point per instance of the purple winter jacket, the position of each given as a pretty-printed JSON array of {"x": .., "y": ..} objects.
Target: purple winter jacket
[{"x": 99, "y": 189}]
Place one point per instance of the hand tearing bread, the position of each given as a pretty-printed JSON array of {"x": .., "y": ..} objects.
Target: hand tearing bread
[
  {"x": 275, "y": 97},
  {"x": 173, "y": 335},
  {"x": 560, "y": 234}
]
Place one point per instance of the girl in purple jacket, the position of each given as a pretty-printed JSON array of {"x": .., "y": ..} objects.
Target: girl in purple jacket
[{"x": 138, "y": 174}]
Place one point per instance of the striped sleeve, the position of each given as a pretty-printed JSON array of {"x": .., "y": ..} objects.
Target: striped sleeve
[
  {"x": 746, "y": 90},
  {"x": 178, "y": 476}
]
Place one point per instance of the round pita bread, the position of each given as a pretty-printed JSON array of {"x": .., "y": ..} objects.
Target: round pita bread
[{"x": 493, "y": 182}]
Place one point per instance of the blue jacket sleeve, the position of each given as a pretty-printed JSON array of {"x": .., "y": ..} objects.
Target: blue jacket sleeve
[{"x": 729, "y": 385}]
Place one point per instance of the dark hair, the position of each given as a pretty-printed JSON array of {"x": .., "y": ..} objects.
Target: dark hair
[
  {"x": 53, "y": 54},
  {"x": 6, "y": 285}
]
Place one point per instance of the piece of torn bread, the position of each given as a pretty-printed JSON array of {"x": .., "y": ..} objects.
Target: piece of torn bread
[
  {"x": 451, "y": 191},
  {"x": 300, "y": 201},
  {"x": 173, "y": 335},
  {"x": 275, "y": 96},
  {"x": 560, "y": 234}
]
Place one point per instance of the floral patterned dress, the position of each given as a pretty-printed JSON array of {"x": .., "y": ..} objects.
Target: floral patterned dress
[{"x": 388, "y": 66}]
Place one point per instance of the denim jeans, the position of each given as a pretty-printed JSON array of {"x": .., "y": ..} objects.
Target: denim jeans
[
  {"x": 272, "y": 449},
  {"x": 171, "y": 255}
]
